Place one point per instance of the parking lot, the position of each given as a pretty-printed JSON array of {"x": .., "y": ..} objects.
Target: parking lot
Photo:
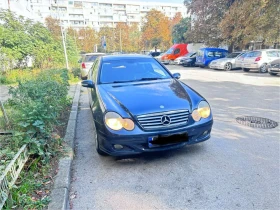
[{"x": 238, "y": 168}]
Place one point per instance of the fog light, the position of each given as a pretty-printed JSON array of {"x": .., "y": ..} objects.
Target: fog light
[
  {"x": 205, "y": 133},
  {"x": 118, "y": 146}
]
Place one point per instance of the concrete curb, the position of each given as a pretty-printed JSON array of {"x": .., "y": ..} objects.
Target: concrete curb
[{"x": 60, "y": 192}]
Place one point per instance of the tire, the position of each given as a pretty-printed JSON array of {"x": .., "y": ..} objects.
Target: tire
[
  {"x": 272, "y": 73},
  {"x": 228, "y": 66},
  {"x": 201, "y": 66},
  {"x": 97, "y": 148},
  {"x": 245, "y": 69},
  {"x": 263, "y": 68}
]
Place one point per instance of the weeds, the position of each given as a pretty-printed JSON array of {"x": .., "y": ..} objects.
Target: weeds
[{"x": 36, "y": 109}]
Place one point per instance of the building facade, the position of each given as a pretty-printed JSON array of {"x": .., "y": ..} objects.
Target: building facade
[{"x": 92, "y": 13}]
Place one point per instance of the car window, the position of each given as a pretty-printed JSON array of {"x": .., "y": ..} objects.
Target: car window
[
  {"x": 170, "y": 51},
  {"x": 273, "y": 53},
  {"x": 233, "y": 55},
  {"x": 250, "y": 54},
  {"x": 95, "y": 69},
  {"x": 90, "y": 58},
  {"x": 218, "y": 54},
  {"x": 176, "y": 51},
  {"x": 256, "y": 54},
  {"x": 123, "y": 70},
  {"x": 210, "y": 54}
]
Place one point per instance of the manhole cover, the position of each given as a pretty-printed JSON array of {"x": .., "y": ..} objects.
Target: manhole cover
[{"x": 257, "y": 122}]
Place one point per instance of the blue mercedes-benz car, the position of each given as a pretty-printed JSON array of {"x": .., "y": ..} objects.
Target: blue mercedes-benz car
[{"x": 139, "y": 106}]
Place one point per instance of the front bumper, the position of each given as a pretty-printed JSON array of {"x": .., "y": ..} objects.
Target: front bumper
[
  {"x": 84, "y": 72},
  {"x": 216, "y": 66},
  {"x": 140, "y": 143},
  {"x": 273, "y": 70}
]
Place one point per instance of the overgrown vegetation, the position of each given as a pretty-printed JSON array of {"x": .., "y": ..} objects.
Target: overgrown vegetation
[
  {"x": 36, "y": 112},
  {"x": 26, "y": 43}
]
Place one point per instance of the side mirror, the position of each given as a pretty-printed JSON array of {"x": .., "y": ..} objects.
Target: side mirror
[
  {"x": 88, "y": 83},
  {"x": 176, "y": 75}
]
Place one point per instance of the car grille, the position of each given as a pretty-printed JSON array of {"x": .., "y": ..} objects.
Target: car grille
[
  {"x": 160, "y": 119},
  {"x": 275, "y": 65}
]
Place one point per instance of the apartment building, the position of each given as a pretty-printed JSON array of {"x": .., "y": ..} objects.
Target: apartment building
[{"x": 95, "y": 13}]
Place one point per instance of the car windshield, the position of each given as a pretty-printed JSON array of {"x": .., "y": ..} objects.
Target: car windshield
[
  {"x": 232, "y": 55},
  {"x": 129, "y": 70},
  {"x": 90, "y": 58},
  {"x": 170, "y": 51}
]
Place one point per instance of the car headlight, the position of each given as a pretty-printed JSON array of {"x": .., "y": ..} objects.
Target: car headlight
[
  {"x": 203, "y": 111},
  {"x": 116, "y": 122}
]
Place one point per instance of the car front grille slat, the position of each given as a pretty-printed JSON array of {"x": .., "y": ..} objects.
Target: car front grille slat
[{"x": 154, "y": 120}]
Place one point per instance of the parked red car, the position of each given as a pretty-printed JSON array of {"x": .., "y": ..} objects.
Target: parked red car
[{"x": 174, "y": 52}]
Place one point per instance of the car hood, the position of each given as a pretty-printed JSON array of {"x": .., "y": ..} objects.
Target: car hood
[{"x": 146, "y": 97}]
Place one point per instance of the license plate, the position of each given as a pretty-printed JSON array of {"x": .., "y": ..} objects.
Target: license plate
[
  {"x": 275, "y": 69},
  {"x": 161, "y": 140}
]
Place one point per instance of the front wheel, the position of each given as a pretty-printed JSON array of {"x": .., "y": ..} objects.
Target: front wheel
[
  {"x": 228, "y": 66},
  {"x": 263, "y": 68},
  {"x": 245, "y": 69}
]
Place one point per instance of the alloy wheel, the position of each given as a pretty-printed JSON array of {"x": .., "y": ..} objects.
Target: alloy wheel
[{"x": 228, "y": 66}]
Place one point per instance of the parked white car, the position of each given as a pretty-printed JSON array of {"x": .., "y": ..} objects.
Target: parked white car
[
  {"x": 159, "y": 57},
  {"x": 86, "y": 63},
  {"x": 229, "y": 62},
  {"x": 259, "y": 59}
]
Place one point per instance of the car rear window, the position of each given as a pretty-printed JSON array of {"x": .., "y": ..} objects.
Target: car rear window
[
  {"x": 273, "y": 53},
  {"x": 90, "y": 58},
  {"x": 124, "y": 70}
]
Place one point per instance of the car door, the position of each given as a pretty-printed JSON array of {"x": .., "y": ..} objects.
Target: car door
[
  {"x": 93, "y": 73},
  {"x": 239, "y": 60}
]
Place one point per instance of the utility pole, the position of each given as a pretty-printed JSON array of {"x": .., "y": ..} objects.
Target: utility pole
[
  {"x": 9, "y": 5},
  {"x": 121, "y": 39},
  {"x": 62, "y": 35}
]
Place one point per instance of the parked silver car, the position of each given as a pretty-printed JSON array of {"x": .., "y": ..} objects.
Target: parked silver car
[
  {"x": 274, "y": 67},
  {"x": 86, "y": 63},
  {"x": 228, "y": 63},
  {"x": 259, "y": 59}
]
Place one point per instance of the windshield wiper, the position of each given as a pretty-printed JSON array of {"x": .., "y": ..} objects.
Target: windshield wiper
[
  {"x": 142, "y": 79},
  {"x": 148, "y": 78}
]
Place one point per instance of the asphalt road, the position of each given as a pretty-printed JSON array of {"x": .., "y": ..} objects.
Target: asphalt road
[{"x": 238, "y": 168}]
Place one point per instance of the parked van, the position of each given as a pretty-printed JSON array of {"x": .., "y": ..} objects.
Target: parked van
[
  {"x": 174, "y": 52},
  {"x": 205, "y": 55}
]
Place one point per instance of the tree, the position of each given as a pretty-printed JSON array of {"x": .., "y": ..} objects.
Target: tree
[
  {"x": 179, "y": 30},
  {"x": 109, "y": 34},
  {"x": 87, "y": 39},
  {"x": 206, "y": 15},
  {"x": 156, "y": 26},
  {"x": 53, "y": 26},
  {"x": 257, "y": 21}
]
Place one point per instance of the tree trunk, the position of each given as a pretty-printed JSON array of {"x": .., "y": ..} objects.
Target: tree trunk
[{"x": 230, "y": 48}]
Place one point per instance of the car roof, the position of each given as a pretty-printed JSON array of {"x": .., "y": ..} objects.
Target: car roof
[
  {"x": 94, "y": 54},
  {"x": 213, "y": 48},
  {"x": 124, "y": 56}
]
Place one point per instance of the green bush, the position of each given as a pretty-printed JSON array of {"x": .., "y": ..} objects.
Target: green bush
[{"x": 37, "y": 104}]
